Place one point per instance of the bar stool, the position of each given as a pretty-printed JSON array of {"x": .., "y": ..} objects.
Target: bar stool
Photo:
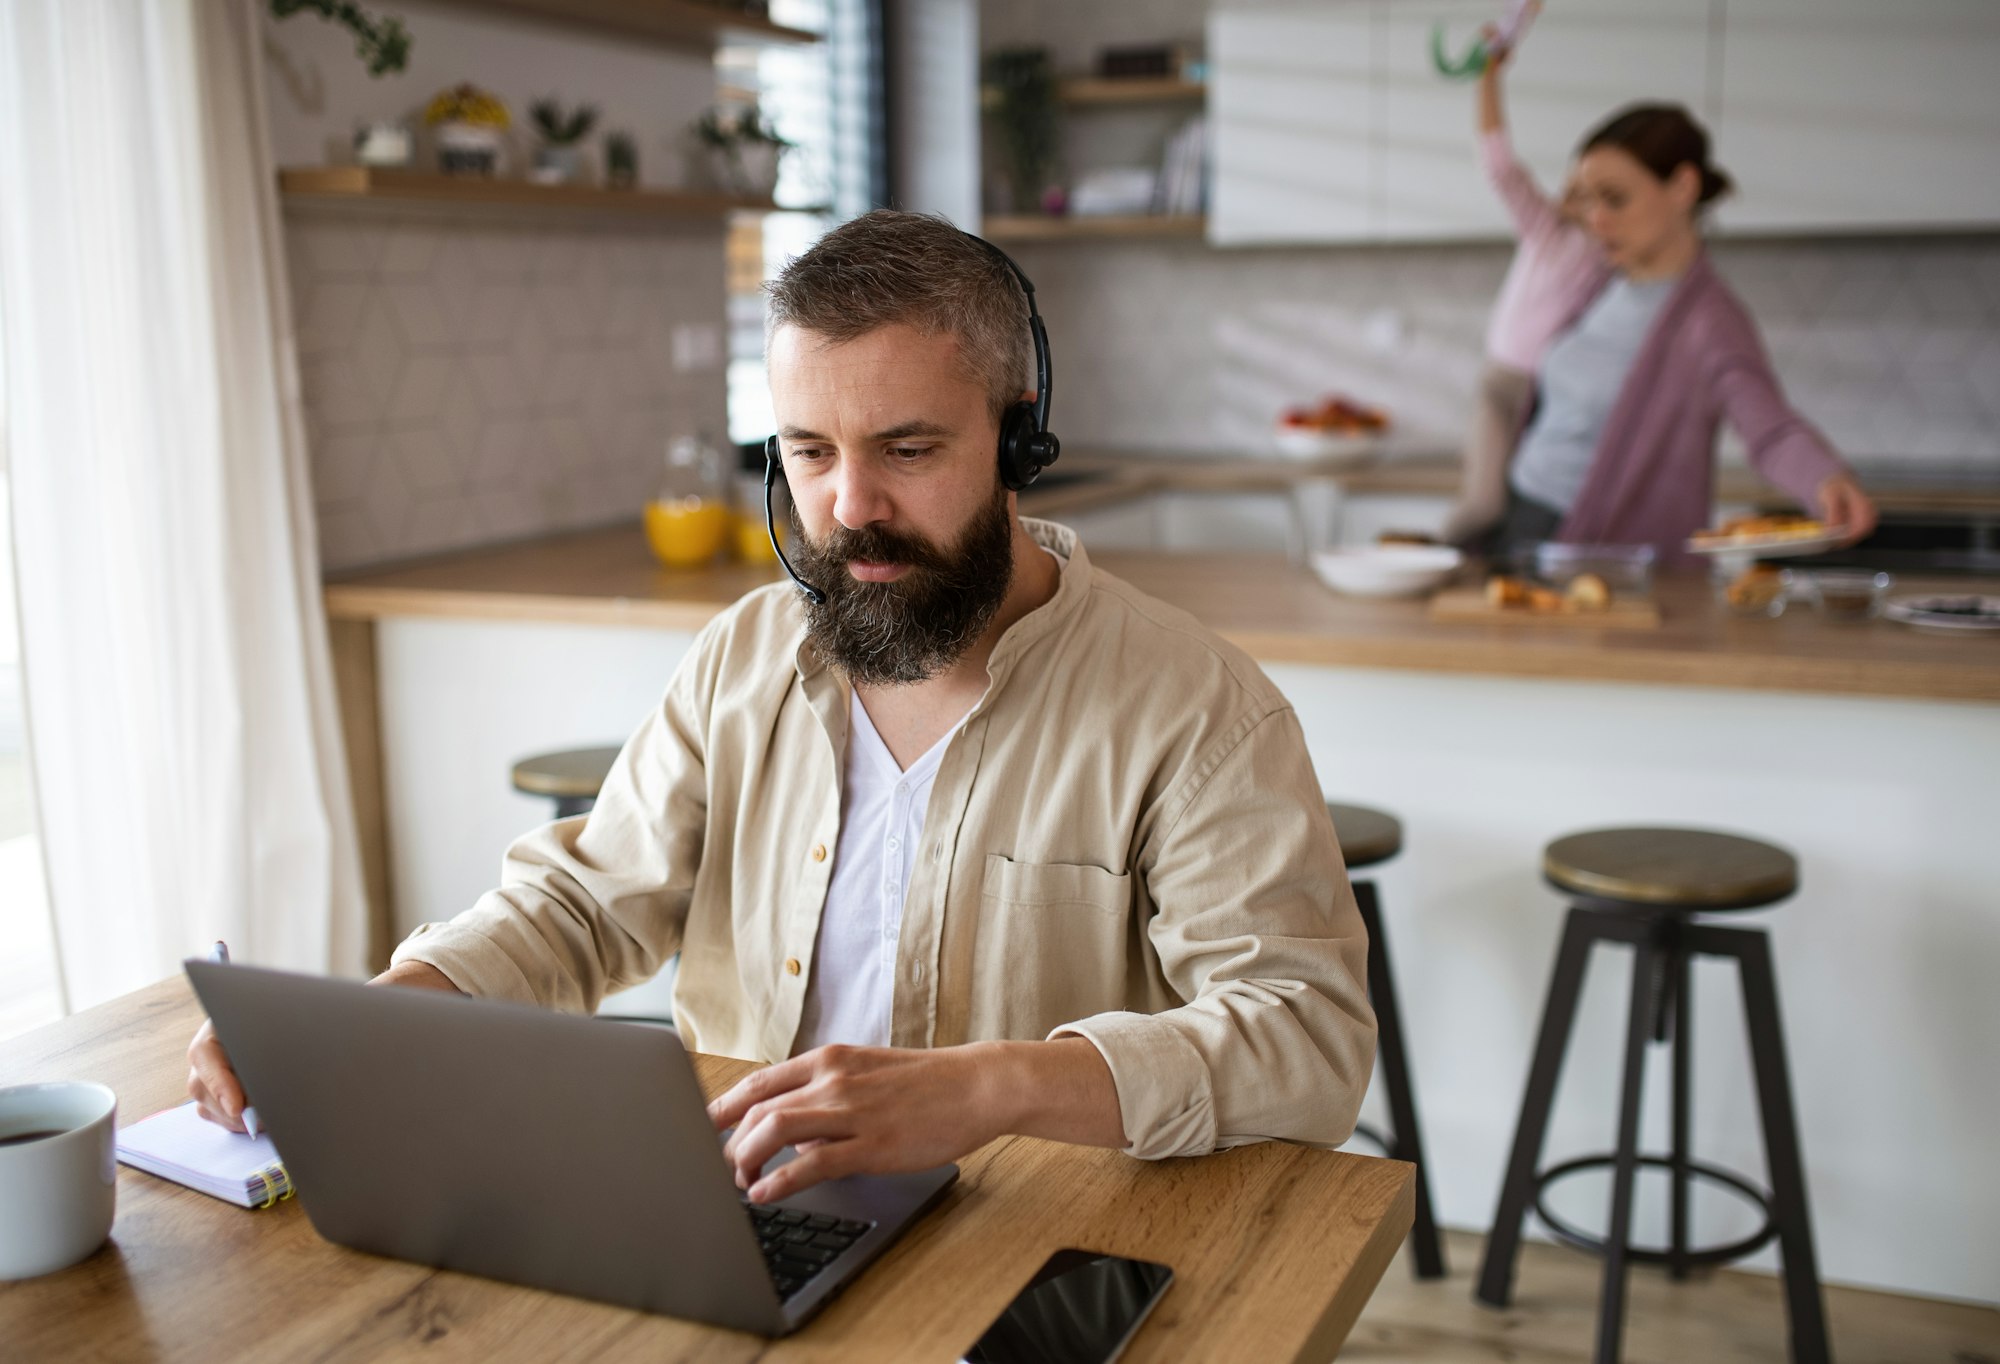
[
  {"x": 1368, "y": 837},
  {"x": 1644, "y": 887},
  {"x": 571, "y": 777}
]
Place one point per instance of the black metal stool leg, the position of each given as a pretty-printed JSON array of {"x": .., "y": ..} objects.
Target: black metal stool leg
[
  {"x": 1406, "y": 1142},
  {"x": 568, "y": 806},
  {"x": 1804, "y": 1303},
  {"x": 1678, "y": 986},
  {"x": 1517, "y": 1190},
  {"x": 1625, "y": 1164}
]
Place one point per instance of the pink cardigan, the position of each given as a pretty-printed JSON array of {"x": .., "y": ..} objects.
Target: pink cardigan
[{"x": 1652, "y": 479}]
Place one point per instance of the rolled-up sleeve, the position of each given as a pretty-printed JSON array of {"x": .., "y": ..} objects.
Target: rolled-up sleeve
[
  {"x": 596, "y": 903},
  {"x": 1255, "y": 926},
  {"x": 1782, "y": 446}
]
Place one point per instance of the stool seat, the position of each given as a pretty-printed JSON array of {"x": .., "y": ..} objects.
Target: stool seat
[
  {"x": 572, "y": 774},
  {"x": 1680, "y": 869},
  {"x": 1366, "y": 836}
]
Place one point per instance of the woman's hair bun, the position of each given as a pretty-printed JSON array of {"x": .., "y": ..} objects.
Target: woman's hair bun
[{"x": 1662, "y": 138}]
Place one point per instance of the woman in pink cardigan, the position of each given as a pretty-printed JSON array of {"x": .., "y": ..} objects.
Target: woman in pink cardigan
[{"x": 1619, "y": 445}]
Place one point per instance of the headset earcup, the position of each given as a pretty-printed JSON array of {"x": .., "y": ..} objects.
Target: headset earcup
[{"x": 1021, "y": 446}]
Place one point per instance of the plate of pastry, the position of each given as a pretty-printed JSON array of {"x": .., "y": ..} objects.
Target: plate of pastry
[{"x": 1773, "y": 536}]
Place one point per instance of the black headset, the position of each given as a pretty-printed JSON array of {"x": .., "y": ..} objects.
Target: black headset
[{"x": 1027, "y": 446}]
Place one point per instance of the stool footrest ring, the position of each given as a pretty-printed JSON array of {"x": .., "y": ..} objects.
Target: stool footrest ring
[{"x": 1712, "y": 1255}]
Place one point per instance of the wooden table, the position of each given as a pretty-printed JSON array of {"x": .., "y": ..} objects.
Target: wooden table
[{"x": 1275, "y": 1250}]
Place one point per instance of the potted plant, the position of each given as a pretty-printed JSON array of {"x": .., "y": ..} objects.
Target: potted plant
[
  {"x": 621, "y": 160},
  {"x": 560, "y": 157},
  {"x": 1021, "y": 86},
  {"x": 742, "y": 149},
  {"x": 469, "y": 125}
]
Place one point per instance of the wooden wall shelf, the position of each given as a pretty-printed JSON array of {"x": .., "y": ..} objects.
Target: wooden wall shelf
[
  {"x": 674, "y": 23},
  {"x": 365, "y": 184},
  {"x": 1038, "y": 228},
  {"x": 1099, "y": 91},
  {"x": 1129, "y": 90}
]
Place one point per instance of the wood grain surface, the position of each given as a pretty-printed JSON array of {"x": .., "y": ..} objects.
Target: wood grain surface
[
  {"x": 1275, "y": 1249},
  {"x": 1274, "y": 609}
]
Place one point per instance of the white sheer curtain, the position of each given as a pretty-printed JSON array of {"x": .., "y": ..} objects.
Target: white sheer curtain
[{"x": 179, "y": 693}]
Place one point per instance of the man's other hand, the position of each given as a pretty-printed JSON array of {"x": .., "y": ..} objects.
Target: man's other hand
[
  {"x": 212, "y": 1081},
  {"x": 878, "y": 1110}
]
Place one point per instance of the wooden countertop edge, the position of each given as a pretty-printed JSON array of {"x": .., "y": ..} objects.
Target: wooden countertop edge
[
  {"x": 1512, "y": 657},
  {"x": 1509, "y": 656},
  {"x": 345, "y": 601}
]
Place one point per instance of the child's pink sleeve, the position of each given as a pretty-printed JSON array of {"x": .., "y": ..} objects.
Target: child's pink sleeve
[{"x": 1530, "y": 209}]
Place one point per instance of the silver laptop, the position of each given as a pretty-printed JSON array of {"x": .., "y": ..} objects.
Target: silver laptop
[{"x": 572, "y": 1154}]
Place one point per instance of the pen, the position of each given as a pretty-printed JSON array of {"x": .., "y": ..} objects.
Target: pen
[{"x": 220, "y": 955}]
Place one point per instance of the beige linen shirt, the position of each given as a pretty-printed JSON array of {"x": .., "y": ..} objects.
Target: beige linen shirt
[{"x": 1125, "y": 841}]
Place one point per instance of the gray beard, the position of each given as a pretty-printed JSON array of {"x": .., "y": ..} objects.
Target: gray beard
[{"x": 912, "y": 629}]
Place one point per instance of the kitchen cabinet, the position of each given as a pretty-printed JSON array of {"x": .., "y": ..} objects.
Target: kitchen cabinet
[
  {"x": 1292, "y": 122},
  {"x": 1855, "y": 115},
  {"x": 1331, "y": 126}
]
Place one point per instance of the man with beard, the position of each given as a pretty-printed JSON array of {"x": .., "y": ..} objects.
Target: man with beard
[{"x": 982, "y": 841}]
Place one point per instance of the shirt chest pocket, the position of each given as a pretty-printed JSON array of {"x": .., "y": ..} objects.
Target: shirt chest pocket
[{"x": 1055, "y": 944}]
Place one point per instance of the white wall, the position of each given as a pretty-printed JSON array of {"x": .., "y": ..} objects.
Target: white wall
[
  {"x": 934, "y": 92},
  {"x": 462, "y": 702}
]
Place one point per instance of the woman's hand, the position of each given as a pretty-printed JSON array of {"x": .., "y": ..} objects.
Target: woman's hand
[{"x": 1845, "y": 508}]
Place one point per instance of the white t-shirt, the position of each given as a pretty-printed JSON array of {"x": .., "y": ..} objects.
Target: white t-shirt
[{"x": 852, "y": 988}]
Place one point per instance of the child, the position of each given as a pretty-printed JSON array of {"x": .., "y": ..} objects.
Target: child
[{"x": 1556, "y": 270}]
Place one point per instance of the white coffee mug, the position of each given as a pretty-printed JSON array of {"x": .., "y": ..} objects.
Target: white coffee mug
[{"x": 58, "y": 1174}]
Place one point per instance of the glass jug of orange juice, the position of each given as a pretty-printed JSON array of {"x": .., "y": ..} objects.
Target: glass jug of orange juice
[{"x": 689, "y": 522}]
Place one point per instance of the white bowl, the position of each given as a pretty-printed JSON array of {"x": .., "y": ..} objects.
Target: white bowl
[
  {"x": 1332, "y": 449},
  {"x": 1386, "y": 570}
]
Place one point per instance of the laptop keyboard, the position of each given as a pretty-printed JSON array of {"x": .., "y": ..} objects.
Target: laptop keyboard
[{"x": 797, "y": 1245}]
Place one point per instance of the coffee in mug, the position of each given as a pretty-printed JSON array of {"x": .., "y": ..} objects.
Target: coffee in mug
[{"x": 58, "y": 1174}]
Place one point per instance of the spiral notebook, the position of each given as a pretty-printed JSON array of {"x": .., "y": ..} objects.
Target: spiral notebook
[{"x": 181, "y": 1145}]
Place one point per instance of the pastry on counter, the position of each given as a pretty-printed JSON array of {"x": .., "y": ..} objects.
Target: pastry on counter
[{"x": 1586, "y": 593}]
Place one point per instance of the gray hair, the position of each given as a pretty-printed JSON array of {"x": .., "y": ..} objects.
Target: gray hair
[{"x": 889, "y": 267}]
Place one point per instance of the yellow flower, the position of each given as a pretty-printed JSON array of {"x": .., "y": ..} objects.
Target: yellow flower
[{"x": 466, "y": 104}]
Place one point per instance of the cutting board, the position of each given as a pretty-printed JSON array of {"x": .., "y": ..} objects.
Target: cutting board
[{"x": 1468, "y": 606}]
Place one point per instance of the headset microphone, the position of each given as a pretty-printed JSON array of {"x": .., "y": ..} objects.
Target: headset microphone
[{"x": 813, "y": 594}]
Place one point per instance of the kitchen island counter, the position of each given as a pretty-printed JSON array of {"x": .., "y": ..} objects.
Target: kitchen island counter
[{"x": 1275, "y": 610}]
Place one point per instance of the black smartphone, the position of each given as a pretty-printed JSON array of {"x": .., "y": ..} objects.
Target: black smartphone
[{"x": 1080, "y": 1308}]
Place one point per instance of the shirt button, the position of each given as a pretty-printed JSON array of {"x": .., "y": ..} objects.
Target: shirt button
[
  {"x": 819, "y": 852},
  {"x": 894, "y": 844},
  {"x": 791, "y": 966}
]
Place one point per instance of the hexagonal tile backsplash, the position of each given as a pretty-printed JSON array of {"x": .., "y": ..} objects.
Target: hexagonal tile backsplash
[{"x": 466, "y": 383}]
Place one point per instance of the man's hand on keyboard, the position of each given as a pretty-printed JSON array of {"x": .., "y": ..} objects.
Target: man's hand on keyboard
[{"x": 855, "y": 1110}]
